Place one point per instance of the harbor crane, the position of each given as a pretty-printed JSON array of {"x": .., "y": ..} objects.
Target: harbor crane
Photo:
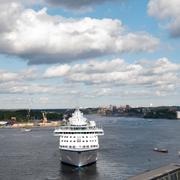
[{"x": 44, "y": 117}]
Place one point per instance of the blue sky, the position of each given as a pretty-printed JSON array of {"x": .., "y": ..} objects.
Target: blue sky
[{"x": 58, "y": 54}]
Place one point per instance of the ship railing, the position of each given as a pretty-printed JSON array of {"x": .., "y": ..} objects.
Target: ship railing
[
  {"x": 79, "y": 148},
  {"x": 78, "y": 128}
]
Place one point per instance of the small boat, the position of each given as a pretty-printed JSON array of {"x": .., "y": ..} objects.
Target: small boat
[
  {"x": 25, "y": 130},
  {"x": 161, "y": 150}
]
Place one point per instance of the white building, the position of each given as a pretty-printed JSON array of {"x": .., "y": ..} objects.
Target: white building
[{"x": 178, "y": 114}]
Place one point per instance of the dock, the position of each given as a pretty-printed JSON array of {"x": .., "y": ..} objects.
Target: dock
[{"x": 168, "y": 172}]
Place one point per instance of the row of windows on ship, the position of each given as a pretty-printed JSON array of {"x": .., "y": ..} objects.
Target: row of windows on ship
[
  {"x": 78, "y": 137},
  {"x": 78, "y": 132},
  {"x": 78, "y": 141},
  {"x": 91, "y": 146}
]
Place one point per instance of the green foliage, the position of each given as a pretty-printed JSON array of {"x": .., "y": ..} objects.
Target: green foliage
[
  {"x": 164, "y": 113},
  {"x": 54, "y": 116},
  {"x": 19, "y": 114},
  {"x": 22, "y": 115}
]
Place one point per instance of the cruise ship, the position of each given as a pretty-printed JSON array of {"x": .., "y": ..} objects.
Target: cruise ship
[{"x": 78, "y": 140}]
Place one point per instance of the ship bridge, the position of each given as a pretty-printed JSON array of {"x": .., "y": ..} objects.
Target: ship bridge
[{"x": 77, "y": 119}]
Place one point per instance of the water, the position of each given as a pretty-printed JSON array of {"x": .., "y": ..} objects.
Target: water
[{"x": 126, "y": 149}]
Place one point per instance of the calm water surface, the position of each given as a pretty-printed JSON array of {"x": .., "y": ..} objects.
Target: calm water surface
[{"x": 126, "y": 149}]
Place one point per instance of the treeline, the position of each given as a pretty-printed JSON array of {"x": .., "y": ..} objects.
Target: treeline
[
  {"x": 161, "y": 113},
  {"x": 58, "y": 114},
  {"x": 26, "y": 115}
]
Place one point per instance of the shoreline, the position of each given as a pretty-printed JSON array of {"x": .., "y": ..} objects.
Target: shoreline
[{"x": 32, "y": 125}]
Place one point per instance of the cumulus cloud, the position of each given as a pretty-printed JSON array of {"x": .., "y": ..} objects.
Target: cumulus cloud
[
  {"x": 78, "y": 5},
  {"x": 57, "y": 71},
  {"x": 168, "y": 10},
  {"x": 15, "y": 87},
  {"x": 40, "y": 38},
  {"x": 113, "y": 78},
  {"x": 117, "y": 78},
  {"x": 27, "y": 74},
  {"x": 46, "y": 89},
  {"x": 8, "y": 76},
  {"x": 161, "y": 74},
  {"x": 7, "y": 18}
]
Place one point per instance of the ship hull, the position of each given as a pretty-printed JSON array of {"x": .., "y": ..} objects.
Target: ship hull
[{"x": 78, "y": 158}]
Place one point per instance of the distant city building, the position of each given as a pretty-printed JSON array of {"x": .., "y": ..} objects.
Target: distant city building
[
  {"x": 111, "y": 107},
  {"x": 178, "y": 114},
  {"x": 128, "y": 107},
  {"x": 13, "y": 118}
]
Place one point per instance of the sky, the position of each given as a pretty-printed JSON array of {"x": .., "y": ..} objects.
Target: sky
[{"x": 89, "y": 53}]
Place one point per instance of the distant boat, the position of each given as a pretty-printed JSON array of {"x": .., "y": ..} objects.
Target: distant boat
[
  {"x": 161, "y": 150},
  {"x": 26, "y": 130}
]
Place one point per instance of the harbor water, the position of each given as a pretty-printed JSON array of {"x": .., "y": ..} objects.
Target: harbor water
[{"x": 126, "y": 149}]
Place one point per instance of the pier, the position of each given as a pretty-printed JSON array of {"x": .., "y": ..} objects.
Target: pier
[{"x": 168, "y": 172}]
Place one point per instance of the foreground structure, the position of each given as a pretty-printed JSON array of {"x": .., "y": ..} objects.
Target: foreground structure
[
  {"x": 78, "y": 140},
  {"x": 168, "y": 172}
]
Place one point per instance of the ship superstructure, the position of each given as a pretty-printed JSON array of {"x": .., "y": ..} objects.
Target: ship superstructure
[{"x": 78, "y": 140}]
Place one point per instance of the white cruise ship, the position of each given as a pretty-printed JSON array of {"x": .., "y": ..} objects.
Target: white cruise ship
[{"x": 78, "y": 140}]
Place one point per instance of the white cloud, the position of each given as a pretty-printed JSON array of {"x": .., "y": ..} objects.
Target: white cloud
[
  {"x": 163, "y": 65},
  {"x": 9, "y": 17},
  {"x": 27, "y": 74},
  {"x": 168, "y": 10},
  {"x": 161, "y": 74},
  {"x": 99, "y": 92},
  {"x": 78, "y": 5},
  {"x": 15, "y": 87},
  {"x": 57, "y": 71},
  {"x": 40, "y": 38},
  {"x": 44, "y": 100},
  {"x": 8, "y": 76},
  {"x": 112, "y": 79}
]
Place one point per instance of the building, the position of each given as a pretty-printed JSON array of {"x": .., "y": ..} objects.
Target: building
[{"x": 178, "y": 114}]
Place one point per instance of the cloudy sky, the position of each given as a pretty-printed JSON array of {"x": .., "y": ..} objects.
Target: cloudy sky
[{"x": 89, "y": 53}]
